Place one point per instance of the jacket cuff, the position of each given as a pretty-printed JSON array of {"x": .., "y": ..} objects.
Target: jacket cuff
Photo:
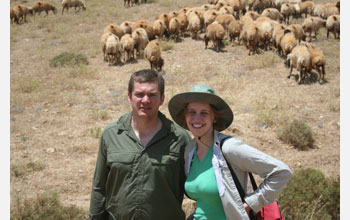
[{"x": 253, "y": 201}]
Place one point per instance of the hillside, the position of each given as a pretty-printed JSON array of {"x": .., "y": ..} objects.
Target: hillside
[{"x": 58, "y": 113}]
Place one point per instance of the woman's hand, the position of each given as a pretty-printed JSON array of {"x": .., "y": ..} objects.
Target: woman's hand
[{"x": 247, "y": 208}]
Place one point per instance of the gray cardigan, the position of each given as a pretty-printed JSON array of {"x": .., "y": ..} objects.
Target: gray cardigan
[{"x": 243, "y": 159}]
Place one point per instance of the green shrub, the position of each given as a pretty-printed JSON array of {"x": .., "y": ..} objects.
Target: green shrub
[
  {"x": 298, "y": 134},
  {"x": 166, "y": 45},
  {"x": 45, "y": 207},
  {"x": 310, "y": 195},
  {"x": 68, "y": 59}
]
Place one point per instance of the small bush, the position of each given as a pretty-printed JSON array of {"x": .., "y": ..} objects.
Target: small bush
[
  {"x": 298, "y": 134},
  {"x": 28, "y": 85},
  {"x": 68, "y": 59},
  {"x": 19, "y": 170},
  {"x": 45, "y": 207},
  {"x": 166, "y": 45},
  {"x": 310, "y": 195}
]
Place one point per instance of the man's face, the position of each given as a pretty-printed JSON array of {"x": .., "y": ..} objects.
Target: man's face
[{"x": 145, "y": 99}]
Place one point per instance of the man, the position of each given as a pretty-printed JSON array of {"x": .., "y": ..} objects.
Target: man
[{"x": 140, "y": 164}]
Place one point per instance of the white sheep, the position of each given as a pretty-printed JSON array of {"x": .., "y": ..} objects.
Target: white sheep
[
  {"x": 103, "y": 42},
  {"x": 319, "y": 10},
  {"x": 66, "y": 4},
  {"x": 215, "y": 33},
  {"x": 209, "y": 17},
  {"x": 141, "y": 40},
  {"x": 126, "y": 26},
  {"x": 127, "y": 44},
  {"x": 300, "y": 59},
  {"x": 174, "y": 28},
  {"x": 153, "y": 55},
  {"x": 145, "y": 24},
  {"x": 265, "y": 27},
  {"x": 194, "y": 24},
  {"x": 333, "y": 25},
  {"x": 113, "y": 49},
  {"x": 159, "y": 28}
]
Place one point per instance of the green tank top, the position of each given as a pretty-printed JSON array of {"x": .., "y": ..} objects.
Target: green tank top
[{"x": 201, "y": 186}]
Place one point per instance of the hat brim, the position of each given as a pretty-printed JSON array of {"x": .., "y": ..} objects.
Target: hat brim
[{"x": 178, "y": 103}]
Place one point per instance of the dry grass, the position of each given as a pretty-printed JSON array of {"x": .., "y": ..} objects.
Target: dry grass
[{"x": 58, "y": 114}]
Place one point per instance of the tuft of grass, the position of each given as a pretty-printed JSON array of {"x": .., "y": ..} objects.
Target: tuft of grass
[
  {"x": 28, "y": 85},
  {"x": 310, "y": 195},
  {"x": 100, "y": 114},
  {"x": 95, "y": 132},
  {"x": 45, "y": 207},
  {"x": 68, "y": 59},
  {"x": 166, "y": 45},
  {"x": 19, "y": 170},
  {"x": 259, "y": 61},
  {"x": 269, "y": 115},
  {"x": 298, "y": 134}
]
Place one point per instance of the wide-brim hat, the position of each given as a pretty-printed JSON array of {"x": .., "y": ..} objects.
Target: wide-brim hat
[{"x": 201, "y": 93}]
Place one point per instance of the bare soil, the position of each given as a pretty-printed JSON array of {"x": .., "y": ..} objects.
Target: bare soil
[{"x": 56, "y": 125}]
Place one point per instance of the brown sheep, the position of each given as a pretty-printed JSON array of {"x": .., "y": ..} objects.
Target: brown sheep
[
  {"x": 153, "y": 55},
  {"x": 319, "y": 10},
  {"x": 66, "y": 4},
  {"x": 239, "y": 6},
  {"x": 299, "y": 58},
  {"x": 165, "y": 18},
  {"x": 318, "y": 61},
  {"x": 306, "y": 8},
  {"x": 127, "y": 44},
  {"x": 194, "y": 24},
  {"x": 159, "y": 28},
  {"x": 288, "y": 42},
  {"x": 209, "y": 17},
  {"x": 215, "y": 33},
  {"x": 115, "y": 29},
  {"x": 234, "y": 30},
  {"x": 287, "y": 10},
  {"x": 103, "y": 41},
  {"x": 13, "y": 16},
  {"x": 44, "y": 6},
  {"x": 313, "y": 24},
  {"x": 331, "y": 11},
  {"x": 174, "y": 28},
  {"x": 183, "y": 22},
  {"x": 265, "y": 29},
  {"x": 272, "y": 13},
  {"x": 225, "y": 20},
  {"x": 145, "y": 24},
  {"x": 113, "y": 49},
  {"x": 333, "y": 25},
  {"x": 21, "y": 12},
  {"x": 250, "y": 36},
  {"x": 298, "y": 31},
  {"x": 141, "y": 40},
  {"x": 126, "y": 26}
]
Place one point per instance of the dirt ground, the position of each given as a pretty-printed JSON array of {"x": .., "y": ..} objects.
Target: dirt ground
[{"x": 57, "y": 127}]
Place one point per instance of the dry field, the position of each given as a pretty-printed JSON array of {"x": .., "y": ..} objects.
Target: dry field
[{"x": 57, "y": 114}]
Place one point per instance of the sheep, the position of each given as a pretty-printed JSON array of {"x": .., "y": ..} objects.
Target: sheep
[
  {"x": 165, "y": 18},
  {"x": 141, "y": 40},
  {"x": 277, "y": 34},
  {"x": 213, "y": 2},
  {"x": 159, "y": 28},
  {"x": 272, "y": 13},
  {"x": 215, "y": 33},
  {"x": 127, "y": 3},
  {"x": 333, "y": 25},
  {"x": 153, "y": 55},
  {"x": 234, "y": 30},
  {"x": 287, "y": 10},
  {"x": 278, "y": 3},
  {"x": 172, "y": 14},
  {"x": 112, "y": 49},
  {"x": 313, "y": 24},
  {"x": 194, "y": 24},
  {"x": 21, "y": 12},
  {"x": 225, "y": 20},
  {"x": 127, "y": 44},
  {"x": 209, "y": 17},
  {"x": 66, "y": 4},
  {"x": 306, "y": 7},
  {"x": 259, "y": 5},
  {"x": 319, "y": 10},
  {"x": 288, "y": 42},
  {"x": 145, "y": 24},
  {"x": 318, "y": 61},
  {"x": 331, "y": 11},
  {"x": 126, "y": 26},
  {"x": 238, "y": 7},
  {"x": 299, "y": 58},
  {"x": 115, "y": 29},
  {"x": 298, "y": 31},
  {"x": 13, "y": 16},
  {"x": 265, "y": 29},
  {"x": 103, "y": 41},
  {"x": 44, "y": 6},
  {"x": 250, "y": 35},
  {"x": 174, "y": 28},
  {"x": 226, "y": 10},
  {"x": 182, "y": 18}
]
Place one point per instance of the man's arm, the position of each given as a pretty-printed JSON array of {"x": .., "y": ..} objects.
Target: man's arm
[{"x": 98, "y": 193}]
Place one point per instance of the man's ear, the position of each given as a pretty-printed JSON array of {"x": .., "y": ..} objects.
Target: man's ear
[
  {"x": 162, "y": 98},
  {"x": 129, "y": 97}
]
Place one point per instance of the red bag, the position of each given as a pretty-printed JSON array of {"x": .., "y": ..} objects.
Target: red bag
[{"x": 270, "y": 212}]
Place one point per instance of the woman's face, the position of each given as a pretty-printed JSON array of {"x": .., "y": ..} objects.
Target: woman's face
[{"x": 199, "y": 118}]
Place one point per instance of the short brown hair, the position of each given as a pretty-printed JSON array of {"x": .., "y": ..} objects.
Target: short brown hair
[{"x": 146, "y": 75}]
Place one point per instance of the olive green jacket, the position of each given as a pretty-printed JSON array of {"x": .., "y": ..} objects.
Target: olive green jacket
[{"x": 133, "y": 182}]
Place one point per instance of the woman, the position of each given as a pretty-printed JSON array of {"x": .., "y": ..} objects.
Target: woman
[{"x": 209, "y": 181}]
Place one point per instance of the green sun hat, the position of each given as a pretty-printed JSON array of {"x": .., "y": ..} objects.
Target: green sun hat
[{"x": 201, "y": 93}]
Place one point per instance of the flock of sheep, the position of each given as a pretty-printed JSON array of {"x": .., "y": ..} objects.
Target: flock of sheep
[
  {"x": 258, "y": 24},
  {"x": 18, "y": 13}
]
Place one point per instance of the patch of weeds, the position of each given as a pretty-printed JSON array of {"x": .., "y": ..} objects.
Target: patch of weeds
[
  {"x": 310, "y": 195},
  {"x": 100, "y": 114},
  {"x": 82, "y": 71},
  {"x": 28, "y": 85},
  {"x": 258, "y": 61},
  {"x": 267, "y": 116},
  {"x": 95, "y": 132},
  {"x": 68, "y": 59},
  {"x": 226, "y": 42},
  {"x": 166, "y": 45},
  {"x": 334, "y": 106},
  {"x": 165, "y": 3},
  {"x": 45, "y": 206},
  {"x": 19, "y": 170},
  {"x": 298, "y": 134}
]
